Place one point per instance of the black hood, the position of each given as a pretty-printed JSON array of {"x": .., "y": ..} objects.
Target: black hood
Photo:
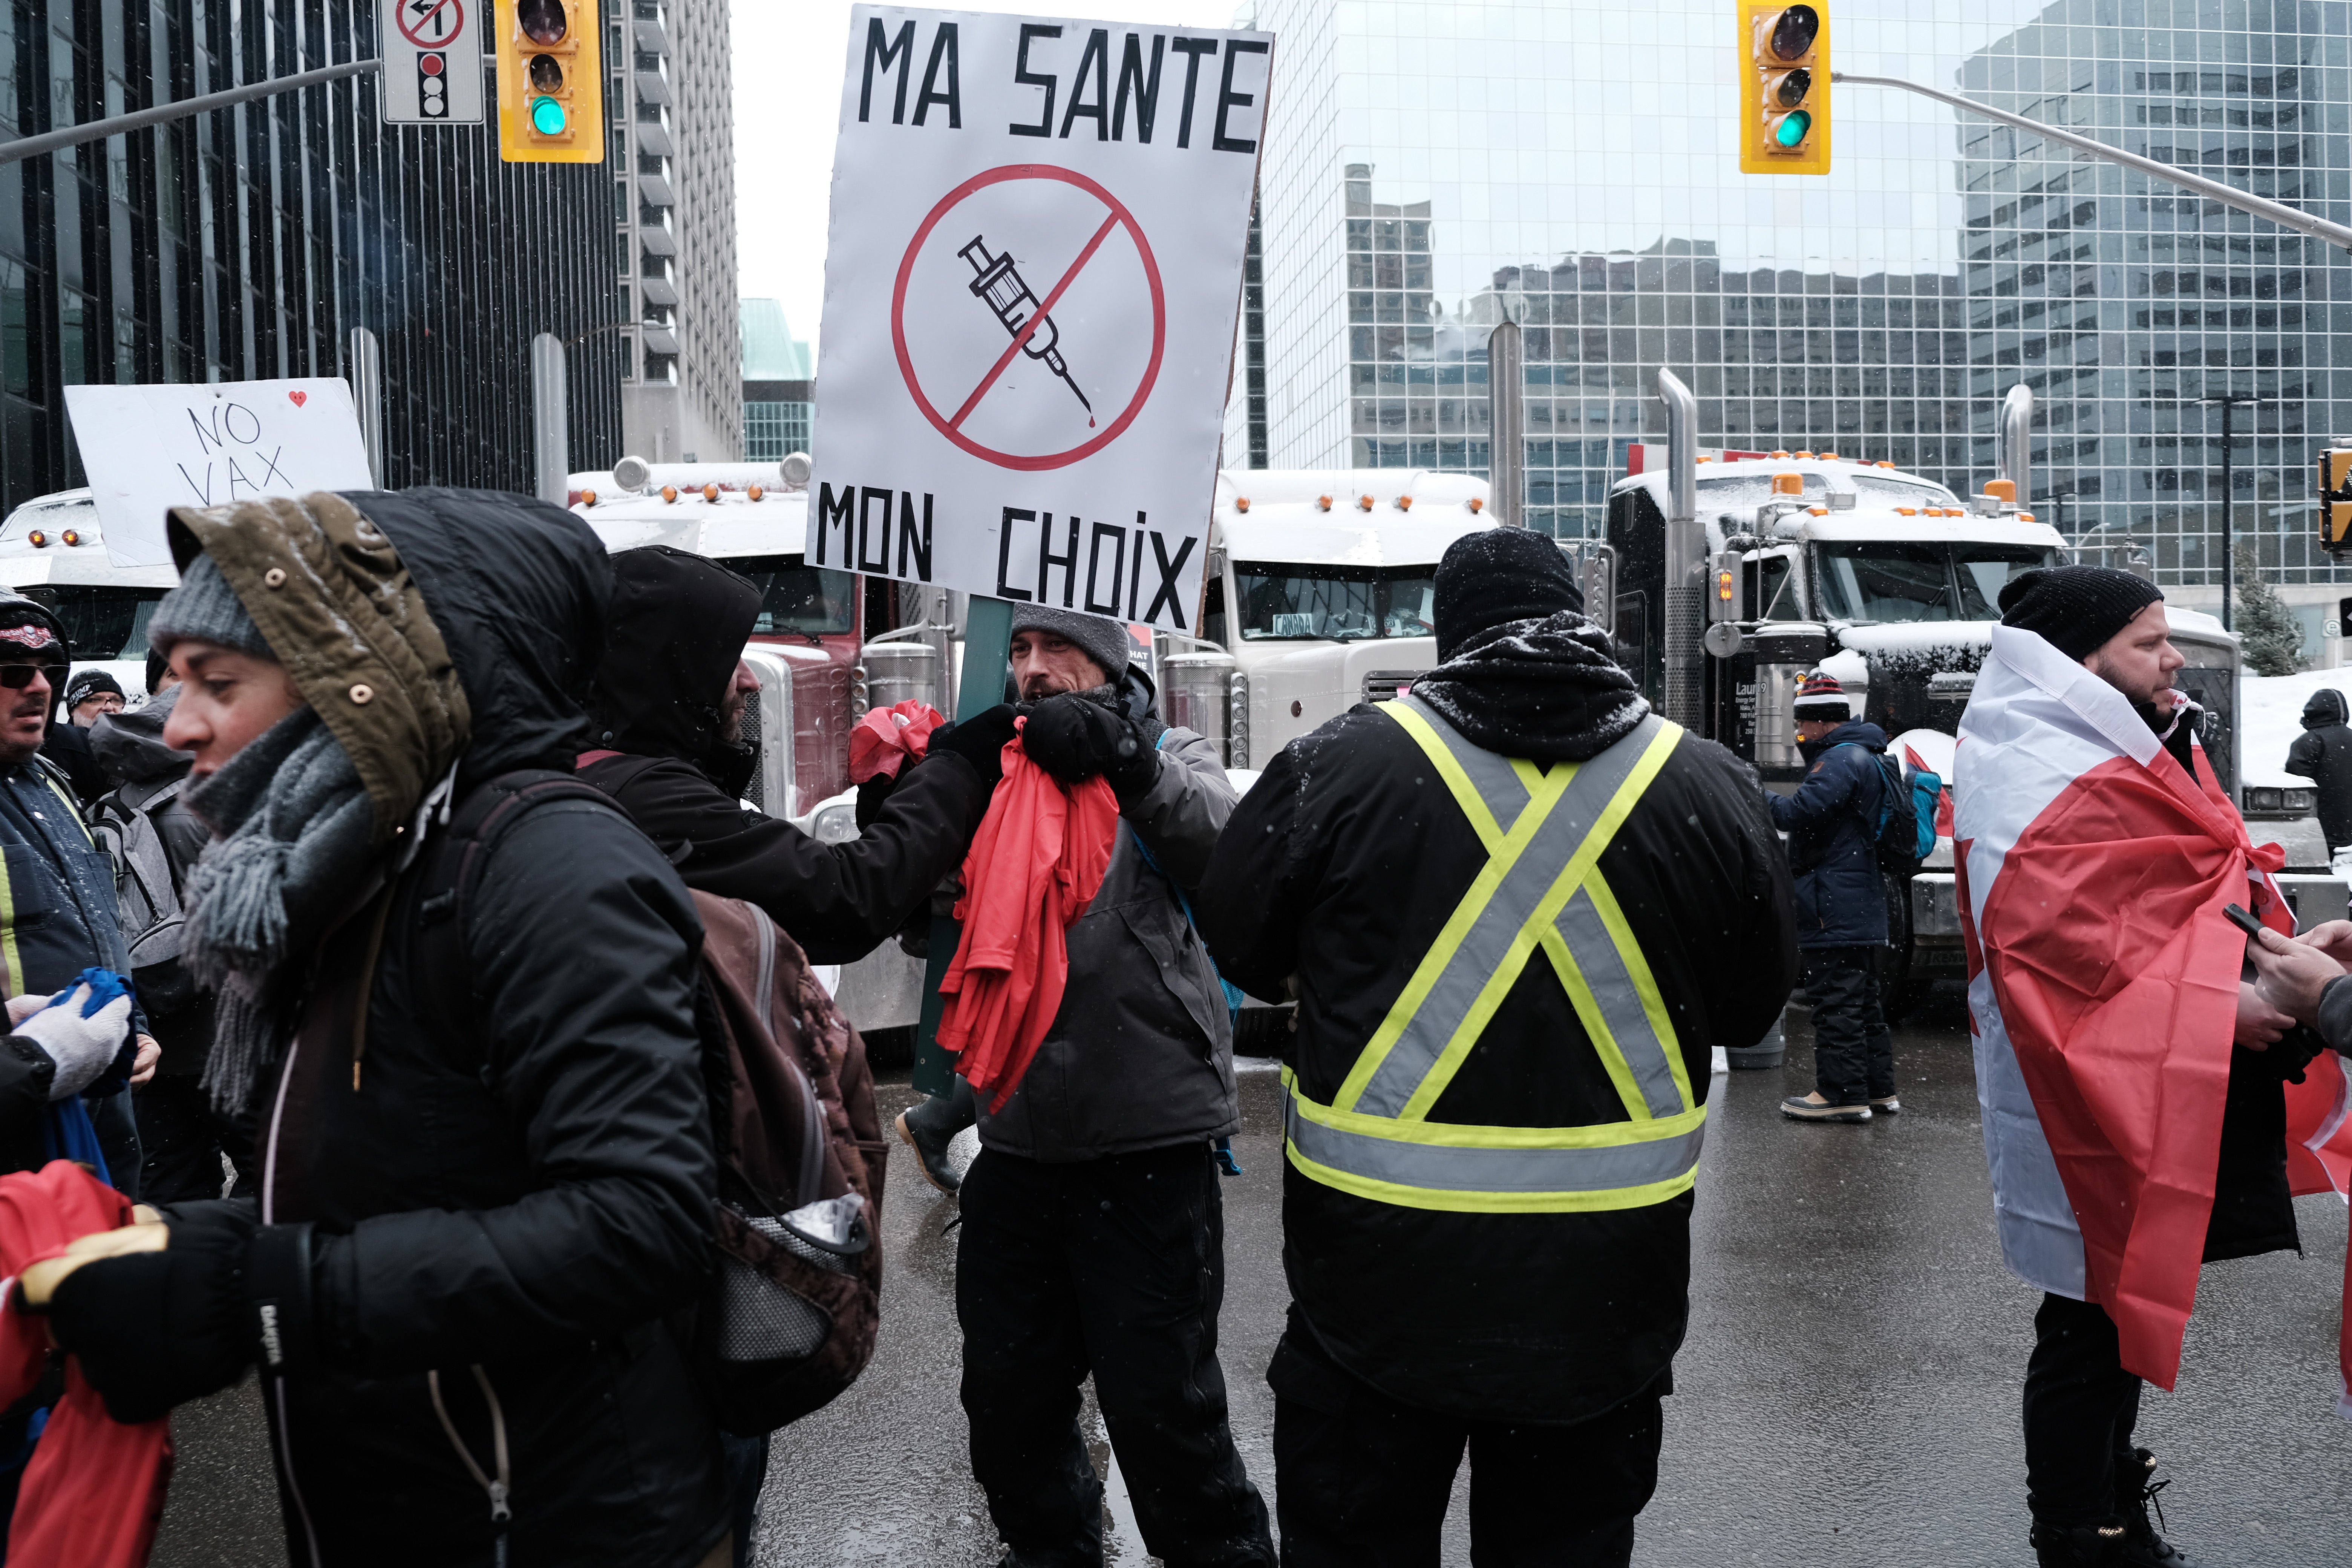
[
  {"x": 130, "y": 745},
  {"x": 2324, "y": 706},
  {"x": 677, "y": 629},
  {"x": 518, "y": 587}
]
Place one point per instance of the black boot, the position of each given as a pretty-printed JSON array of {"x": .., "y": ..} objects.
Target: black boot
[
  {"x": 2078, "y": 1546},
  {"x": 929, "y": 1128},
  {"x": 2143, "y": 1547}
]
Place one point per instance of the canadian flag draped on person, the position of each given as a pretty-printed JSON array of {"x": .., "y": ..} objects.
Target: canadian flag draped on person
[{"x": 2145, "y": 1108}]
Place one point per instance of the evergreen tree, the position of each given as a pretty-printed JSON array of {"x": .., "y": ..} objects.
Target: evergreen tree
[{"x": 2271, "y": 635}]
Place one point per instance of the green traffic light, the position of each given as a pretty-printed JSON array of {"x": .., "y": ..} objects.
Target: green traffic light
[
  {"x": 1791, "y": 131},
  {"x": 547, "y": 117}
]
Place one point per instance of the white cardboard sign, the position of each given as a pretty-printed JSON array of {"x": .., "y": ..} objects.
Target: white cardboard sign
[
  {"x": 432, "y": 52},
  {"x": 149, "y": 448},
  {"x": 1033, "y": 264}
]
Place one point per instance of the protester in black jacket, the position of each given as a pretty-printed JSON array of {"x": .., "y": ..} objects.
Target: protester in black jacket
[
  {"x": 2323, "y": 753},
  {"x": 481, "y": 1212},
  {"x": 667, "y": 714},
  {"x": 1445, "y": 1288}
]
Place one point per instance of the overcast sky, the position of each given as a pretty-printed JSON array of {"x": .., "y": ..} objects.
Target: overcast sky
[{"x": 790, "y": 56}]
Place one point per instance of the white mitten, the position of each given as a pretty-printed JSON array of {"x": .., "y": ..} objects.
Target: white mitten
[{"x": 82, "y": 1043}]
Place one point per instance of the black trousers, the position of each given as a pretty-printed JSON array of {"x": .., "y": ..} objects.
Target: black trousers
[
  {"x": 1853, "y": 1056},
  {"x": 1361, "y": 1481},
  {"x": 1113, "y": 1266},
  {"x": 2080, "y": 1408}
]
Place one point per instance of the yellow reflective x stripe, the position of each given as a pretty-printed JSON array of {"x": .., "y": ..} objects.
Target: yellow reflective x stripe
[
  {"x": 1493, "y": 1170},
  {"x": 1538, "y": 920},
  {"x": 1502, "y": 857},
  {"x": 1646, "y": 984},
  {"x": 1502, "y": 919},
  {"x": 73, "y": 808}
]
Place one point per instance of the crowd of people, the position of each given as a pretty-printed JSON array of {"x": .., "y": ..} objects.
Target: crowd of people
[{"x": 415, "y": 1077}]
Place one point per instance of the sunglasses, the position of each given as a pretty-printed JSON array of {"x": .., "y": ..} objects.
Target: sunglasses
[{"x": 16, "y": 676}]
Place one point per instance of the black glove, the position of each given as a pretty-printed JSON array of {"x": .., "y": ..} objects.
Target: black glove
[
  {"x": 1074, "y": 739},
  {"x": 154, "y": 1330},
  {"x": 979, "y": 739}
]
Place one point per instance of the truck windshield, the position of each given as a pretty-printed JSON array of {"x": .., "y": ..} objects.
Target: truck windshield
[
  {"x": 1337, "y": 603},
  {"x": 797, "y": 600},
  {"x": 1890, "y": 580},
  {"x": 101, "y": 622}
]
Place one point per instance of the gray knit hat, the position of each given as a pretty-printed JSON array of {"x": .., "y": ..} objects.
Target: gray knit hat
[
  {"x": 205, "y": 608},
  {"x": 1100, "y": 638}
]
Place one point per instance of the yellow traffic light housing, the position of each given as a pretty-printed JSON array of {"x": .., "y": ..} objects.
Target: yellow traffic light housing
[
  {"x": 2335, "y": 499},
  {"x": 1784, "y": 89},
  {"x": 550, "y": 81}
]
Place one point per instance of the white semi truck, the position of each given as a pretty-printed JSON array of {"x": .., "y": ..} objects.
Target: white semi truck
[{"x": 1736, "y": 576}]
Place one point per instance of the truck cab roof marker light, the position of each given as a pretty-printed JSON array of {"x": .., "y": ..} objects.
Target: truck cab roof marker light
[
  {"x": 70, "y": 537},
  {"x": 1828, "y": 456},
  {"x": 1241, "y": 503},
  {"x": 754, "y": 493},
  {"x": 1404, "y": 503},
  {"x": 1475, "y": 505},
  {"x": 1906, "y": 511},
  {"x": 38, "y": 540},
  {"x": 1323, "y": 503},
  {"x": 1882, "y": 463},
  {"x": 669, "y": 493},
  {"x": 1363, "y": 503},
  {"x": 1776, "y": 455},
  {"x": 1788, "y": 484}
]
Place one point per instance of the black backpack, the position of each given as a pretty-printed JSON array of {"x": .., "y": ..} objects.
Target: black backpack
[{"x": 1896, "y": 838}]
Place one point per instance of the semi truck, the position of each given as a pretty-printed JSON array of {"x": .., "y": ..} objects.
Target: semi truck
[{"x": 1738, "y": 574}]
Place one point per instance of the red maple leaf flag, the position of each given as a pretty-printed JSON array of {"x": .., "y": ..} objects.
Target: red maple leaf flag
[{"x": 2103, "y": 983}]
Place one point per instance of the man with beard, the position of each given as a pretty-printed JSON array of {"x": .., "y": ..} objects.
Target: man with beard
[
  {"x": 1093, "y": 1234},
  {"x": 1519, "y": 910}
]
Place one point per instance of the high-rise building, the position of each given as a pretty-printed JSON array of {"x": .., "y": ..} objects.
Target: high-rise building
[
  {"x": 779, "y": 395},
  {"x": 674, "y": 196},
  {"x": 1431, "y": 169},
  {"x": 247, "y": 243}
]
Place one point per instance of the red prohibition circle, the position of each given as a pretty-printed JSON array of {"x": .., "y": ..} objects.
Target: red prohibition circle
[
  {"x": 425, "y": 22},
  {"x": 1118, "y": 426}
]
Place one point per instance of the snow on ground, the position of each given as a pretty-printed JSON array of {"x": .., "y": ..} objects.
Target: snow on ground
[{"x": 2270, "y": 711}]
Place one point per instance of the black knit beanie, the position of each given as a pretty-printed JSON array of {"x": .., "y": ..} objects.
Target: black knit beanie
[
  {"x": 2075, "y": 610},
  {"x": 1499, "y": 575}
]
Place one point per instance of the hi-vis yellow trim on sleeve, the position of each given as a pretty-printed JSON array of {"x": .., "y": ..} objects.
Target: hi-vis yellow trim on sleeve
[
  {"x": 1540, "y": 889},
  {"x": 13, "y": 983}
]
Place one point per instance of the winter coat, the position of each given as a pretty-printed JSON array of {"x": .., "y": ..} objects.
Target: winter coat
[
  {"x": 513, "y": 1189},
  {"x": 1832, "y": 826},
  {"x": 57, "y": 919},
  {"x": 1335, "y": 877},
  {"x": 2323, "y": 753},
  {"x": 129, "y": 746},
  {"x": 1141, "y": 1054},
  {"x": 678, "y": 627}
]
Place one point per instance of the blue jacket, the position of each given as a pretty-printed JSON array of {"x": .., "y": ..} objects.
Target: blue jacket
[
  {"x": 57, "y": 918},
  {"x": 1832, "y": 826}
]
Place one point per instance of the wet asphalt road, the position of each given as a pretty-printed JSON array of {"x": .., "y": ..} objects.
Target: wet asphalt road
[{"x": 1848, "y": 1394}]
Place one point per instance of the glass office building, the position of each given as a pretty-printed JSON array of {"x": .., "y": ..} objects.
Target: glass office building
[
  {"x": 247, "y": 243},
  {"x": 1572, "y": 165}
]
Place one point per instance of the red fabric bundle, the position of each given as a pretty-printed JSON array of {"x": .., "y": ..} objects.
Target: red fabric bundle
[
  {"x": 93, "y": 1490},
  {"x": 1036, "y": 864},
  {"x": 887, "y": 738}
]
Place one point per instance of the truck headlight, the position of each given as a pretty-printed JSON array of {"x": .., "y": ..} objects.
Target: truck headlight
[
  {"x": 835, "y": 823},
  {"x": 2299, "y": 801},
  {"x": 2263, "y": 799}
]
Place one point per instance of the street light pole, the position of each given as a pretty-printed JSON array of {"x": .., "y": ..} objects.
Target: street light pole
[{"x": 2228, "y": 402}]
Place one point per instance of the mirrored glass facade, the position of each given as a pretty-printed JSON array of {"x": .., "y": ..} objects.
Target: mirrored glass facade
[{"x": 1573, "y": 164}]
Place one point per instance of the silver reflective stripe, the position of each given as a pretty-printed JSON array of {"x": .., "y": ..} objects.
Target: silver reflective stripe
[
  {"x": 1431, "y": 1167},
  {"x": 1488, "y": 946},
  {"x": 1491, "y": 774},
  {"x": 1619, "y": 1002}
]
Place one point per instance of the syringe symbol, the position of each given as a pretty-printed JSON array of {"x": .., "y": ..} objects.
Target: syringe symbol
[{"x": 1001, "y": 288}]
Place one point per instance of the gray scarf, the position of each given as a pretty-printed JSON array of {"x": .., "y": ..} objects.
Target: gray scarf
[{"x": 294, "y": 824}]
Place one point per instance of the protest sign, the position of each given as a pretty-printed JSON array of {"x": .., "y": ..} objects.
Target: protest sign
[
  {"x": 149, "y": 448},
  {"x": 1035, "y": 261}
]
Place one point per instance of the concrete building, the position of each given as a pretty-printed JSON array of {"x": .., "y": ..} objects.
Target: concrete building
[
  {"x": 249, "y": 243},
  {"x": 1573, "y": 164},
  {"x": 674, "y": 170},
  {"x": 779, "y": 395}
]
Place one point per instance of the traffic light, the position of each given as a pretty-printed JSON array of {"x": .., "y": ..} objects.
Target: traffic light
[
  {"x": 550, "y": 81},
  {"x": 1784, "y": 89},
  {"x": 2335, "y": 499}
]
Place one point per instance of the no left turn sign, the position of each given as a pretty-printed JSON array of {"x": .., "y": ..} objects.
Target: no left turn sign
[
  {"x": 1033, "y": 272},
  {"x": 1051, "y": 286}
]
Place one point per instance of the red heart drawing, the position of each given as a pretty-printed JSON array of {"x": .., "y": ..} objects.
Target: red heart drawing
[{"x": 299, "y": 398}]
